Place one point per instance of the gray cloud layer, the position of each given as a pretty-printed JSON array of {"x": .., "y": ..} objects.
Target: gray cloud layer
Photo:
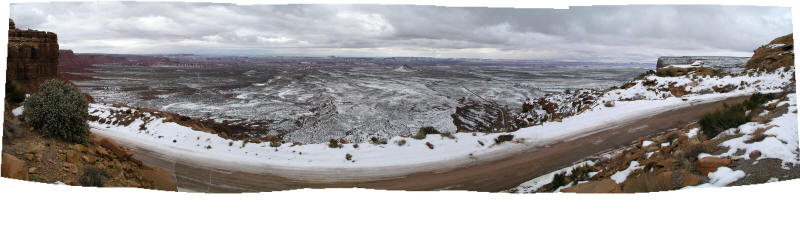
[{"x": 600, "y": 33}]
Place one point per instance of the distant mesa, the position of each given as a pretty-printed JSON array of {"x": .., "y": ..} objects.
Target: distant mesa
[{"x": 728, "y": 64}]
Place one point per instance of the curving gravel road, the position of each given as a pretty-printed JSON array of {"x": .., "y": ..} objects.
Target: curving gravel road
[{"x": 496, "y": 174}]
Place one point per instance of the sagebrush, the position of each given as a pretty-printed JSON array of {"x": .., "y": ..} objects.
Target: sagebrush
[{"x": 58, "y": 110}]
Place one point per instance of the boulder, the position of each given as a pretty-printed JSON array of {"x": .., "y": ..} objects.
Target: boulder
[
  {"x": 79, "y": 147},
  {"x": 710, "y": 164},
  {"x": 117, "y": 149},
  {"x": 661, "y": 181},
  {"x": 73, "y": 157},
  {"x": 599, "y": 186},
  {"x": 13, "y": 168},
  {"x": 161, "y": 178},
  {"x": 678, "y": 91},
  {"x": 755, "y": 154}
]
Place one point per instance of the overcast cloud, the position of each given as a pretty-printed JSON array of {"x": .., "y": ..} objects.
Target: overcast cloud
[{"x": 603, "y": 33}]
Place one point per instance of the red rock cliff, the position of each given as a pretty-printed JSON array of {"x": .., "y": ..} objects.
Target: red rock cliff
[{"x": 32, "y": 57}]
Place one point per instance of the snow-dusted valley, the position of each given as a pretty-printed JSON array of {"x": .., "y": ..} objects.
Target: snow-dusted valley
[{"x": 313, "y": 103}]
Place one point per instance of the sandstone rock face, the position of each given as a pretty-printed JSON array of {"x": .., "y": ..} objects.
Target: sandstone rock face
[
  {"x": 725, "y": 63},
  {"x": 710, "y": 164},
  {"x": 776, "y": 54},
  {"x": 32, "y": 57},
  {"x": 661, "y": 181},
  {"x": 600, "y": 186},
  {"x": 13, "y": 167}
]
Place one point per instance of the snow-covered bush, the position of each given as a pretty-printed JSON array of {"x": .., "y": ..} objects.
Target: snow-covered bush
[
  {"x": 425, "y": 131},
  {"x": 58, "y": 110}
]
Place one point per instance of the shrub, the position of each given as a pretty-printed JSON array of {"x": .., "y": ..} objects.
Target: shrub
[
  {"x": 401, "y": 142},
  {"x": 643, "y": 75},
  {"x": 732, "y": 116},
  {"x": 333, "y": 143},
  {"x": 713, "y": 123},
  {"x": 757, "y": 99},
  {"x": 691, "y": 151},
  {"x": 91, "y": 176},
  {"x": 14, "y": 93},
  {"x": 58, "y": 110},
  {"x": 378, "y": 141},
  {"x": 503, "y": 138},
  {"x": 559, "y": 179},
  {"x": 425, "y": 131},
  {"x": 580, "y": 174}
]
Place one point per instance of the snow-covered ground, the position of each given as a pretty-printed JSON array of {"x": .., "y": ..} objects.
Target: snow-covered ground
[
  {"x": 781, "y": 143},
  {"x": 782, "y": 140},
  {"x": 784, "y": 144},
  {"x": 655, "y": 88}
]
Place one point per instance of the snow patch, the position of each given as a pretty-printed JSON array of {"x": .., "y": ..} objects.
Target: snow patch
[{"x": 620, "y": 176}]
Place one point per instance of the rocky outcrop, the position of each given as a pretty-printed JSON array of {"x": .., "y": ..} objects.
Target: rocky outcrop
[
  {"x": 471, "y": 116},
  {"x": 706, "y": 165},
  {"x": 728, "y": 64},
  {"x": 554, "y": 107},
  {"x": 32, "y": 57},
  {"x": 776, "y": 54},
  {"x": 661, "y": 181}
]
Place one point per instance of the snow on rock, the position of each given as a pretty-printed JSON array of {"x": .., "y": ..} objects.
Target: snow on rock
[
  {"x": 620, "y": 176},
  {"x": 404, "y": 68},
  {"x": 532, "y": 185},
  {"x": 647, "y": 143},
  {"x": 722, "y": 177},
  {"x": 692, "y": 133}
]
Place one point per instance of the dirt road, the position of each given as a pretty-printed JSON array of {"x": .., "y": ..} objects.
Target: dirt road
[{"x": 494, "y": 175}]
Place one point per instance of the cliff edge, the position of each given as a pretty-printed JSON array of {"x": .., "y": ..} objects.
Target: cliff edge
[{"x": 32, "y": 57}]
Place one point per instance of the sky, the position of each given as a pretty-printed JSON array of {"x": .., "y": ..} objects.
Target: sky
[{"x": 592, "y": 33}]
